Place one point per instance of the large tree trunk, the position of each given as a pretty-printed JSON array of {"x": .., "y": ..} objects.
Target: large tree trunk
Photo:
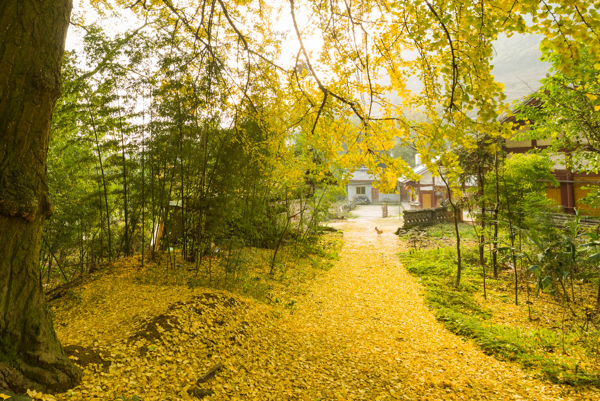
[{"x": 32, "y": 38}]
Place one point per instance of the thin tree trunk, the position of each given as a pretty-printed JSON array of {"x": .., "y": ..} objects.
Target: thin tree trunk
[
  {"x": 512, "y": 240},
  {"x": 456, "y": 211},
  {"x": 81, "y": 252},
  {"x": 496, "y": 213},
  {"x": 483, "y": 218},
  {"x": 31, "y": 50},
  {"x": 49, "y": 268},
  {"x": 125, "y": 197},
  {"x": 152, "y": 181},
  {"x": 598, "y": 297},
  {"x": 287, "y": 223},
  {"x": 482, "y": 238},
  {"x": 101, "y": 220},
  {"x": 56, "y": 259},
  {"x": 143, "y": 190},
  {"x": 104, "y": 185},
  {"x": 182, "y": 193}
]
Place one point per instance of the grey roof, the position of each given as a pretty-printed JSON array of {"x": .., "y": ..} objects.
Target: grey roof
[
  {"x": 362, "y": 175},
  {"x": 419, "y": 170}
]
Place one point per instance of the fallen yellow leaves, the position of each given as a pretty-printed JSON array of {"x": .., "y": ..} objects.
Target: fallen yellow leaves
[
  {"x": 40, "y": 396},
  {"x": 361, "y": 333}
]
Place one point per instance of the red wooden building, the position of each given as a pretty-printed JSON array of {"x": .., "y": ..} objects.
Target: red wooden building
[
  {"x": 569, "y": 192},
  {"x": 427, "y": 192}
]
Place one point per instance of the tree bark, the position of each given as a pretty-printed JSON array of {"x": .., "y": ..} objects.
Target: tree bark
[
  {"x": 32, "y": 39},
  {"x": 457, "y": 211}
]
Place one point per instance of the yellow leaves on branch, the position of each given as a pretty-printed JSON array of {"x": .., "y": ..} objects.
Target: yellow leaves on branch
[{"x": 336, "y": 96}]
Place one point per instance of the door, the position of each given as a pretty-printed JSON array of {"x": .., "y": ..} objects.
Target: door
[
  {"x": 374, "y": 195},
  {"x": 426, "y": 201},
  {"x": 554, "y": 194},
  {"x": 579, "y": 193}
]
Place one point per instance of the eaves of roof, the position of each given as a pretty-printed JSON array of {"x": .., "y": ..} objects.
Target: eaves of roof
[{"x": 419, "y": 170}]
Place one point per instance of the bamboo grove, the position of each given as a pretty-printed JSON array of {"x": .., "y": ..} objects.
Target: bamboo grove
[{"x": 131, "y": 154}]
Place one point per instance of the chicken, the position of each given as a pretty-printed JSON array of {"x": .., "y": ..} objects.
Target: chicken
[{"x": 379, "y": 232}]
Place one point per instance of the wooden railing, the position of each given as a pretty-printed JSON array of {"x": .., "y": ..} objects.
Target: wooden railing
[
  {"x": 426, "y": 217},
  {"x": 562, "y": 220}
]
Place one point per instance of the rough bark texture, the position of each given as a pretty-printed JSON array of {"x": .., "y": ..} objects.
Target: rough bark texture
[{"x": 32, "y": 37}]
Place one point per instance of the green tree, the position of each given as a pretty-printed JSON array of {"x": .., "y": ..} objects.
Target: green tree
[
  {"x": 566, "y": 110},
  {"x": 405, "y": 152},
  {"x": 522, "y": 185},
  {"x": 520, "y": 189}
]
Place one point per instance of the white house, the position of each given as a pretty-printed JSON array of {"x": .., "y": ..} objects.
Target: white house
[{"x": 361, "y": 184}]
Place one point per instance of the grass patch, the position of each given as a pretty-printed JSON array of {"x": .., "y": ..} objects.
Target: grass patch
[
  {"x": 545, "y": 351},
  {"x": 247, "y": 270},
  {"x": 447, "y": 230}
]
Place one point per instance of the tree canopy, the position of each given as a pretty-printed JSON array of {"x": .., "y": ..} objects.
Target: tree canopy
[{"x": 334, "y": 91}]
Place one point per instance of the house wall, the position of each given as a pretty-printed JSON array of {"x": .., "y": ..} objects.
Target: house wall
[
  {"x": 570, "y": 191},
  {"x": 404, "y": 193},
  {"x": 388, "y": 197},
  {"x": 351, "y": 191},
  {"x": 543, "y": 142},
  {"x": 427, "y": 181}
]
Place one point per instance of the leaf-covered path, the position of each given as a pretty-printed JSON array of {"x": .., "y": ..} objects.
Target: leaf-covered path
[{"x": 364, "y": 333}]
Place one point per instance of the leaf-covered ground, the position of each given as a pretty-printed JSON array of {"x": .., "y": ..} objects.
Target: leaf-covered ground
[
  {"x": 549, "y": 338},
  {"x": 361, "y": 332}
]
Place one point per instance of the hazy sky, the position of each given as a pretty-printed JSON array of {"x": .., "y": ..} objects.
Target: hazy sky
[{"x": 516, "y": 60}]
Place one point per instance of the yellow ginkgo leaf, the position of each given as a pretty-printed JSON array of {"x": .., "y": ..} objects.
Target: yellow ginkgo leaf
[
  {"x": 591, "y": 97},
  {"x": 4, "y": 396},
  {"x": 596, "y": 108}
]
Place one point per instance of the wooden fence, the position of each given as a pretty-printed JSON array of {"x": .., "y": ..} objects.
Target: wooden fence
[
  {"x": 426, "y": 217},
  {"x": 562, "y": 219}
]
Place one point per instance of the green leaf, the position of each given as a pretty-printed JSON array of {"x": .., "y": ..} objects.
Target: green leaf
[
  {"x": 546, "y": 282},
  {"x": 595, "y": 256}
]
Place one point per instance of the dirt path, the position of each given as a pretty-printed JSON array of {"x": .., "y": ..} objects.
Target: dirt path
[{"x": 364, "y": 333}]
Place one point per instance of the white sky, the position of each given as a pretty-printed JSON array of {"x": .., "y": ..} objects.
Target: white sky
[{"x": 128, "y": 21}]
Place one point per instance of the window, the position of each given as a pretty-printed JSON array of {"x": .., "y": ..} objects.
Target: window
[{"x": 360, "y": 191}]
